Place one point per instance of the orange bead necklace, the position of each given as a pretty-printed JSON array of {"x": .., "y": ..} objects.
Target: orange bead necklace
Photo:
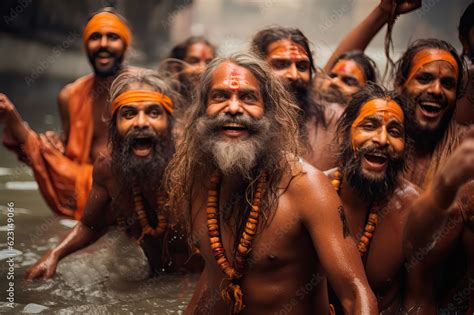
[
  {"x": 233, "y": 292},
  {"x": 371, "y": 224},
  {"x": 139, "y": 208}
]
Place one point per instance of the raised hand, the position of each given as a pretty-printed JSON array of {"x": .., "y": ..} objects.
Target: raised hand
[
  {"x": 6, "y": 108},
  {"x": 458, "y": 170},
  {"x": 404, "y": 6}
]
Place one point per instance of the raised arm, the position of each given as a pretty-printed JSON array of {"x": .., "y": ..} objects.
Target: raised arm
[
  {"x": 14, "y": 124},
  {"x": 320, "y": 211},
  {"x": 361, "y": 35},
  {"x": 89, "y": 229},
  {"x": 436, "y": 204}
]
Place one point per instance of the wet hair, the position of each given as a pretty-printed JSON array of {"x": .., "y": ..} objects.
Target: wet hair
[
  {"x": 189, "y": 168},
  {"x": 404, "y": 64},
  {"x": 265, "y": 37},
  {"x": 466, "y": 23},
  {"x": 179, "y": 51},
  {"x": 344, "y": 136},
  {"x": 365, "y": 62}
]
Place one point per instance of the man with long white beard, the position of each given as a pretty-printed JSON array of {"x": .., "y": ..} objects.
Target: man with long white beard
[{"x": 265, "y": 222}]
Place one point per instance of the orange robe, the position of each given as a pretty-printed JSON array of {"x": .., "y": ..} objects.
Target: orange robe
[{"x": 64, "y": 179}]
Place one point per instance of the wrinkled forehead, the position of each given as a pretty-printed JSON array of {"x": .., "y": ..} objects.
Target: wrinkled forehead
[
  {"x": 385, "y": 108},
  {"x": 228, "y": 75},
  {"x": 286, "y": 49}
]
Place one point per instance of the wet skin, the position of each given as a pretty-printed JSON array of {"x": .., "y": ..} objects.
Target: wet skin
[
  {"x": 107, "y": 199},
  {"x": 277, "y": 275},
  {"x": 112, "y": 46},
  {"x": 384, "y": 263}
]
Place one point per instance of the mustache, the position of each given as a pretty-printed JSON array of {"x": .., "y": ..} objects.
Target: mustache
[
  {"x": 215, "y": 124},
  {"x": 376, "y": 149},
  {"x": 102, "y": 50},
  {"x": 133, "y": 135}
]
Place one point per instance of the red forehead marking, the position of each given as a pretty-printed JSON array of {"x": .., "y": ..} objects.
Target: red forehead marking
[
  {"x": 342, "y": 68},
  {"x": 234, "y": 80}
]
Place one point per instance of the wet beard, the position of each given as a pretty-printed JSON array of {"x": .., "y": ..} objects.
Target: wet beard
[
  {"x": 145, "y": 171},
  {"x": 233, "y": 156},
  {"x": 112, "y": 70},
  {"x": 372, "y": 188}
]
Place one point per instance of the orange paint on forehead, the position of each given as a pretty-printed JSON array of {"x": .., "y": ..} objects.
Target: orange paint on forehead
[
  {"x": 386, "y": 107},
  {"x": 349, "y": 67},
  {"x": 287, "y": 49},
  {"x": 426, "y": 56}
]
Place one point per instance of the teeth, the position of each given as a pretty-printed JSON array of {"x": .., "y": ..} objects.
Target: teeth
[
  {"x": 233, "y": 125},
  {"x": 430, "y": 104}
]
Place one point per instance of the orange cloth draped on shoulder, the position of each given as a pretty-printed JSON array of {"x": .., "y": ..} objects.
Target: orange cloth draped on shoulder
[{"x": 64, "y": 179}]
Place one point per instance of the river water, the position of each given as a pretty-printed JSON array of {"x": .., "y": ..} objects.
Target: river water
[{"x": 110, "y": 276}]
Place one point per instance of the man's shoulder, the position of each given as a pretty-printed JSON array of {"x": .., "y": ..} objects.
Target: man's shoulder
[
  {"x": 405, "y": 194},
  {"x": 70, "y": 88},
  {"x": 102, "y": 168},
  {"x": 306, "y": 178}
]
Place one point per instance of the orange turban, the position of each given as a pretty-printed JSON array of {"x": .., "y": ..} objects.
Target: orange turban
[
  {"x": 107, "y": 22},
  {"x": 138, "y": 96}
]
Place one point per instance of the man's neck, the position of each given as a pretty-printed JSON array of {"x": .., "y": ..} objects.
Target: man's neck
[{"x": 350, "y": 196}]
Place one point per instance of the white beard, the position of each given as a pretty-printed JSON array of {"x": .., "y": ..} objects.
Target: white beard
[{"x": 236, "y": 157}]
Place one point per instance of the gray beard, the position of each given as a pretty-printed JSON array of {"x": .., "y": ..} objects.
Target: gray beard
[{"x": 235, "y": 156}]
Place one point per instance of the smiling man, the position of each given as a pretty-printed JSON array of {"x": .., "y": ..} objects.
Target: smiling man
[
  {"x": 127, "y": 188},
  {"x": 373, "y": 148},
  {"x": 62, "y": 165},
  {"x": 265, "y": 222},
  {"x": 430, "y": 73}
]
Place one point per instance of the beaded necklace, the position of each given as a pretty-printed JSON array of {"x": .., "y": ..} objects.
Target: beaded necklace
[
  {"x": 371, "y": 224},
  {"x": 232, "y": 293},
  {"x": 162, "y": 221}
]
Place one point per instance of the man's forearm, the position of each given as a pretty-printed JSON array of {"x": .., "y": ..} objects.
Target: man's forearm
[{"x": 80, "y": 237}]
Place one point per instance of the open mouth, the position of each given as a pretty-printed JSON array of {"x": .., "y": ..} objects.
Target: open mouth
[
  {"x": 104, "y": 57},
  {"x": 375, "y": 161},
  {"x": 234, "y": 129},
  {"x": 430, "y": 109},
  {"x": 142, "y": 146}
]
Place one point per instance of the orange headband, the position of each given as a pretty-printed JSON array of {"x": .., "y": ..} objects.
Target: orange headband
[
  {"x": 430, "y": 55},
  {"x": 388, "y": 107},
  {"x": 107, "y": 22},
  {"x": 138, "y": 96},
  {"x": 352, "y": 67}
]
